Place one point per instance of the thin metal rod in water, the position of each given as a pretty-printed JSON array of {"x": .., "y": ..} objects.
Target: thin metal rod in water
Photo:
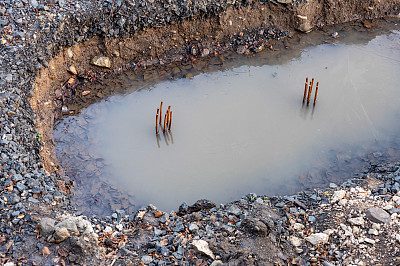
[
  {"x": 161, "y": 112},
  {"x": 170, "y": 120},
  {"x": 316, "y": 93},
  {"x": 165, "y": 122},
  {"x": 157, "y": 116},
  {"x": 309, "y": 91}
]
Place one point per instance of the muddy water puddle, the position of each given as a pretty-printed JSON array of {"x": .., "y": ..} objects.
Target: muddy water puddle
[{"x": 240, "y": 129}]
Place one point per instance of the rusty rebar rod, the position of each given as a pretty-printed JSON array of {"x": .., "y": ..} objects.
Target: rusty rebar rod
[
  {"x": 316, "y": 93},
  {"x": 305, "y": 91},
  {"x": 165, "y": 121},
  {"x": 309, "y": 91},
  {"x": 161, "y": 112},
  {"x": 170, "y": 121},
  {"x": 157, "y": 116}
]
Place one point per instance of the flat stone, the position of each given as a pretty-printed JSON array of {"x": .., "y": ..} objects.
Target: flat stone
[
  {"x": 378, "y": 215},
  {"x": 202, "y": 247},
  {"x": 317, "y": 239},
  {"x": 46, "y": 227},
  {"x": 101, "y": 61}
]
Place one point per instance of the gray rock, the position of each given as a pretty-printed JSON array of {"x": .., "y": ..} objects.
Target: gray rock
[
  {"x": 34, "y": 4},
  {"x": 46, "y": 227},
  {"x": 312, "y": 219},
  {"x": 101, "y": 61},
  {"x": 33, "y": 200},
  {"x": 193, "y": 227},
  {"x": 233, "y": 209},
  {"x": 255, "y": 226},
  {"x": 9, "y": 78},
  {"x": 317, "y": 239},
  {"x": 179, "y": 227},
  {"x": 378, "y": 215},
  {"x": 70, "y": 225},
  {"x": 147, "y": 259},
  {"x": 12, "y": 198},
  {"x": 357, "y": 221},
  {"x": 183, "y": 209}
]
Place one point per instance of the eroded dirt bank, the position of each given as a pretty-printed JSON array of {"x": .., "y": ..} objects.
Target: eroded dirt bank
[{"x": 40, "y": 40}]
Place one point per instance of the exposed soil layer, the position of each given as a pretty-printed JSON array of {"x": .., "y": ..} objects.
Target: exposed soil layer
[{"x": 39, "y": 42}]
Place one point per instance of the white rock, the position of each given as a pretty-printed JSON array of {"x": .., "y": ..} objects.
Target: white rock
[
  {"x": 147, "y": 259},
  {"x": 388, "y": 206},
  {"x": 373, "y": 231},
  {"x": 101, "y": 61},
  {"x": 297, "y": 242},
  {"x": 217, "y": 263},
  {"x": 338, "y": 195},
  {"x": 298, "y": 226},
  {"x": 369, "y": 240},
  {"x": 108, "y": 229},
  {"x": 202, "y": 246},
  {"x": 70, "y": 53},
  {"x": 140, "y": 215},
  {"x": 342, "y": 202},
  {"x": 329, "y": 231},
  {"x": 376, "y": 226},
  {"x": 119, "y": 227},
  {"x": 357, "y": 221},
  {"x": 396, "y": 199},
  {"x": 317, "y": 239}
]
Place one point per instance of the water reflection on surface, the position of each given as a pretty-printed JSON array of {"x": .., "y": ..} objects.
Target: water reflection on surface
[{"x": 239, "y": 130}]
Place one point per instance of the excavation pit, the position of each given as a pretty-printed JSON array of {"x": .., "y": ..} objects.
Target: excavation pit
[{"x": 239, "y": 124}]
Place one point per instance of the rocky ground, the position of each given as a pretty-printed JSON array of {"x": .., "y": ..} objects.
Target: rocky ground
[{"x": 355, "y": 223}]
